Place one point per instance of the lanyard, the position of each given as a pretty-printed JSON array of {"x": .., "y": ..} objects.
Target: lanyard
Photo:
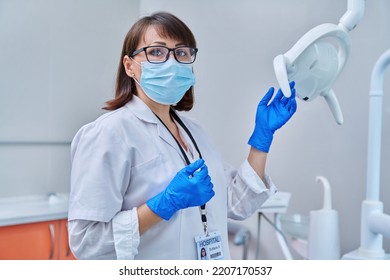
[{"x": 180, "y": 122}]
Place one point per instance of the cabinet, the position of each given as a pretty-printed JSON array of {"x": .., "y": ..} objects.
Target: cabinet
[
  {"x": 64, "y": 252},
  {"x": 35, "y": 241}
]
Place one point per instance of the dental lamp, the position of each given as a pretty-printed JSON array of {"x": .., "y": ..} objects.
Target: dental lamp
[
  {"x": 317, "y": 59},
  {"x": 374, "y": 223}
]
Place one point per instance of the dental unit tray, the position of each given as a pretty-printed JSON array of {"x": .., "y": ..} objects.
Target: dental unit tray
[{"x": 317, "y": 59}]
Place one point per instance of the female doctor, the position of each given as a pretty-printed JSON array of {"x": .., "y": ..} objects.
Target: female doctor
[{"x": 146, "y": 182}]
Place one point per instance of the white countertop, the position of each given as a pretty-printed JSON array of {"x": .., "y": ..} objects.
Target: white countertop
[
  {"x": 34, "y": 208},
  {"x": 54, "y": 206}
]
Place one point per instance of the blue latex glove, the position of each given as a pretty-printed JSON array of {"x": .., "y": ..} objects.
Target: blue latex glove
[
  {"x": 190, "y": 187},
  {"x": 270, "y": 117}
]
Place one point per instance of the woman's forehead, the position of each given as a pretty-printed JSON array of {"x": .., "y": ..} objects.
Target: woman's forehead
[{"x": 154, "y": 35}]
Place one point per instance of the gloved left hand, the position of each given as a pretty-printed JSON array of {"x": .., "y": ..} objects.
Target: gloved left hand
[{"x": 270, "y": 117}]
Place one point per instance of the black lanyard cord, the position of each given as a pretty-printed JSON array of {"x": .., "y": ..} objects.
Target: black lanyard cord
[{"x": 180, "y": 122}]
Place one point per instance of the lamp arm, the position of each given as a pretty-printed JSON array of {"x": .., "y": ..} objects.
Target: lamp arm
[{"x": 353, "y": 14}]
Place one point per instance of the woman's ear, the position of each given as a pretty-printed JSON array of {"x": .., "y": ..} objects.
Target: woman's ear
[{"x": 128, "y": 65}]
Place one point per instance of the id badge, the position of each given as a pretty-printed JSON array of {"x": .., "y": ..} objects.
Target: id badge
[{"x": 209, "y": 247}]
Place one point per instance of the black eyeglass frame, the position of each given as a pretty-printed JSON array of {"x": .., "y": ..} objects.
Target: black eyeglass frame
[{"x": 167, "y": 56}]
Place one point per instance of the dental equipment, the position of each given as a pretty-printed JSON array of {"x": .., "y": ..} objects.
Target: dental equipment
[
  {"x": 324, "y": 236},
  {"x": 317, "y": 59},
  {"x": 315, "y": 236},
  {"x": 275, "y": 205},
  {"x": 242, "y": 237},
  {"x": 374, "y": 223}
]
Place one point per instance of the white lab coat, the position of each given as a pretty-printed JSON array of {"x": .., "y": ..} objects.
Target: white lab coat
[{"x": 126, "y": 157}]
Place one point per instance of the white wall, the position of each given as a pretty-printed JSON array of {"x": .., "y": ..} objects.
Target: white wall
[
  {"x": 237, "y": 42},
  {"x": 58, "y": 63}
]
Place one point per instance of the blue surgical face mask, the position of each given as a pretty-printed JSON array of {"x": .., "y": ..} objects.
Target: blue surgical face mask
[{"x": 166, "y": 83}]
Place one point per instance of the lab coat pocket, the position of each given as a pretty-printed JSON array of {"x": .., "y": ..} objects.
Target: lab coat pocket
[{"x": 146, "y": 180}]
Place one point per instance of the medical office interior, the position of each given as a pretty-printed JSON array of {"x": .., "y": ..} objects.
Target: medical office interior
[{"x": 58, "y": 64}]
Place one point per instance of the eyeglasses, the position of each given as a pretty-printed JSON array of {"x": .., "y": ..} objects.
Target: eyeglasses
[{"x": 160, "y": 54}]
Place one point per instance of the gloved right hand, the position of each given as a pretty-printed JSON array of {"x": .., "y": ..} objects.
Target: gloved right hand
[{"x": 188, "y": 188}]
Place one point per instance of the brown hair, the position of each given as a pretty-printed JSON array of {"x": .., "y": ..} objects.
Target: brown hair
[{"x": 168, "y": 26}]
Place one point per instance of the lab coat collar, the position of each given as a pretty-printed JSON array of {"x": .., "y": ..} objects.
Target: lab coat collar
[
  {"x": 144, "y": 113},
  {"x": 141, "y": 110}
]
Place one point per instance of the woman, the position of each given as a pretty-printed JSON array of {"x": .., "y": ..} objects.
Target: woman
[{"x": 147, "y": 183}]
